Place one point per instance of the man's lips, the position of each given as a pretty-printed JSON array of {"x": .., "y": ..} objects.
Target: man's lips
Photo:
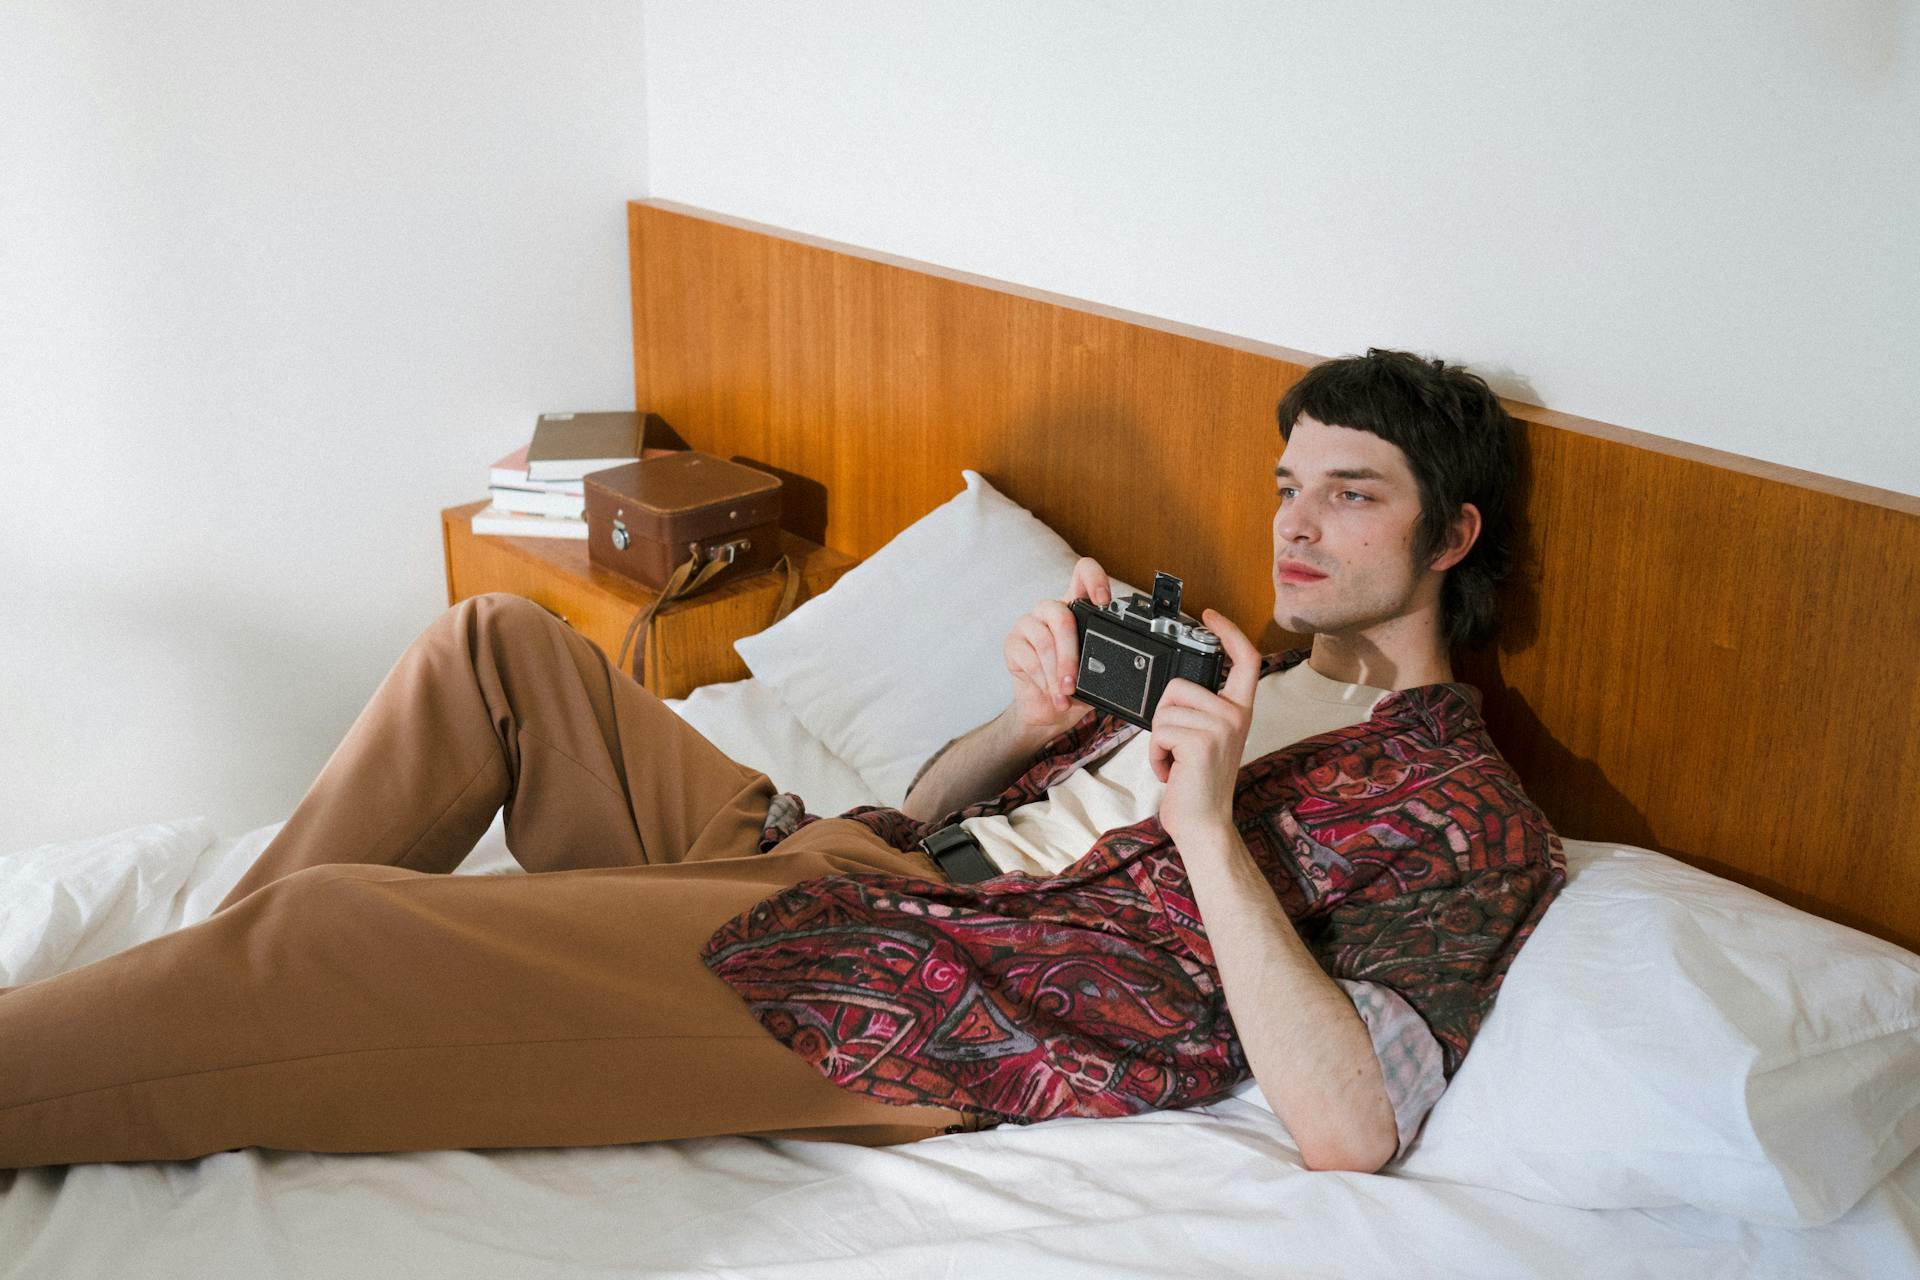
[{"x": 1290, "y": 572}]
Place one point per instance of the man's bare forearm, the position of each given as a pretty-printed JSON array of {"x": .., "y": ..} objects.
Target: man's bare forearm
[
  {"x": 1308, "y": 1048},
  {"x": 983, "y": 763}
]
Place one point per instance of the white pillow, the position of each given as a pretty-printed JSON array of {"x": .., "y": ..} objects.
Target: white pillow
[
  {"x": 904, "y": 652},
  {"x": 1668, "y": 1037},
  {"x": 751, "y": 725}
]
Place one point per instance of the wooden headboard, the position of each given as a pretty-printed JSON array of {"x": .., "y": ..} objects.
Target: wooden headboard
[{"x": 1706, "y": 655}]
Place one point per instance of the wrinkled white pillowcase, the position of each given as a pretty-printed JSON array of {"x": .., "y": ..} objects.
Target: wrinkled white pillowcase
[
  {"x": 1668, "y": 1037},
  {"x": 903, "y": 654}
]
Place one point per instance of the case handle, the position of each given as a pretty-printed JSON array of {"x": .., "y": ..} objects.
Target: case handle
[{"x": 689, "y": 579}]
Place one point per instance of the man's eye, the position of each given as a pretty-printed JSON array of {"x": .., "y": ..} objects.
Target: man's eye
[
  {"x": 1285, "y": 492},
  {"x": 1350, "y": 496}
]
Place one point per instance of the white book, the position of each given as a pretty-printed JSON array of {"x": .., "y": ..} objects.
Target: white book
[
  {"x": 538, "y": 502},
  {"x": 511, "y": 471},
  {"x": 518, "y": 524}
]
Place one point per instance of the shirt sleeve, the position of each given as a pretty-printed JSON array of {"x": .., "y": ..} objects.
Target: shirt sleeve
[
  {"x": 1410, "y": 1060},
  {"x": 1444, "y": 950}
]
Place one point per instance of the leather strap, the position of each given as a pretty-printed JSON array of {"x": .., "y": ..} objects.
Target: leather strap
[
  {"x": 790, "y": 593},
  {"x": 959, "y": 855},
  {"x": 687, "y": 580}
]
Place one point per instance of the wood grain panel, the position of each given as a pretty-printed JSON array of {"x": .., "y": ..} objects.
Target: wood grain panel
[
  {"x": 1708, "y": 655},
  {"x": 881, "y": 382}
]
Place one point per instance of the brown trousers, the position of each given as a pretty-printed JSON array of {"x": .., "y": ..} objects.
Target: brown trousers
[{"x": 350, "y": 996}]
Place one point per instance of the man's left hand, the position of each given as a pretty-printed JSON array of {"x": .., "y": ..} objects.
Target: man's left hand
[{"x": 1198, "y": 737}]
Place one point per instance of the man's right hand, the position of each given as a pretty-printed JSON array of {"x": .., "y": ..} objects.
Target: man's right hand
[{"x": 1043, "y": 656}]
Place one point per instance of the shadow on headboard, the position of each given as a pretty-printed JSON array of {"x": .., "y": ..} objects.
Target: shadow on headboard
[{"x": 1707, "y": 655}]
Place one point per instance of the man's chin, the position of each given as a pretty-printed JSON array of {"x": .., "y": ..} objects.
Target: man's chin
[{"x": 1297, "y": 624}]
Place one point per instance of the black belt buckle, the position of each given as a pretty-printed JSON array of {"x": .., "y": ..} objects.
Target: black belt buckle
[{"x": 959, "y": 855}]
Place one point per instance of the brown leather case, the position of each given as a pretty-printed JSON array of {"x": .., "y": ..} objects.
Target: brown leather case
[{"x": 647, "y": 518}]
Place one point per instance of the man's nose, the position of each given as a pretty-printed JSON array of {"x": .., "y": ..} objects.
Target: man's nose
[{"x": 1291, "y": 524}]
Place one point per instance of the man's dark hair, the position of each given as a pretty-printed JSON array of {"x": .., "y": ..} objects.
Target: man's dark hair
[{"x": 1460, "y": 443}]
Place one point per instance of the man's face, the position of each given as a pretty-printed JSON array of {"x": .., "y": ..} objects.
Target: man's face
[{"x": 1343, "y": 535}]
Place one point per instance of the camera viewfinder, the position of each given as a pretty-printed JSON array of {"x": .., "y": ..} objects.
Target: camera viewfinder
[{"x": 1166, "y": 595}]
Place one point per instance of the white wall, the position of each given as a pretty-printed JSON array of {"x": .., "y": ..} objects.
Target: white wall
[
  {"x": 1699, "y": 219},
  {"x": 277, "y": 282}
]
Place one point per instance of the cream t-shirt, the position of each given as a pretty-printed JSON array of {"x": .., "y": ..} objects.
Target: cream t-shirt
[{"x": 1045, "y": 837}]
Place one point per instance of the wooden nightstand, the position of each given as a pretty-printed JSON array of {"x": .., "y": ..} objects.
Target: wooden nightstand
[{"x": 692, "y": 640}]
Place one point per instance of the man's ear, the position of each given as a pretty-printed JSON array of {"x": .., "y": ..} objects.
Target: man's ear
[{"x": 1462, "y": 533}]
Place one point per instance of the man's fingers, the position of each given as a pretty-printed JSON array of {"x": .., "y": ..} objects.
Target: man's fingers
[
  {"x": 1161, "y": 760},
  {"x": 1048, "y": 635},
  {"x": 1170, "y": 741},
  {"x": 1090, "y": 582},
  {"x": 1066, "y": 645},
  {"x": 1246, "y": 658},
  {"x": 1029, "y": 654},
  {"x": 1044, "y": 650},
  {"x": 1180, "y": 692},
  {"x": 1040, "y": 637},
  {"x": 1056, "y": 638},
  {"x": 1184, "y": 693},
  {"x": 1181, "y": 717}
]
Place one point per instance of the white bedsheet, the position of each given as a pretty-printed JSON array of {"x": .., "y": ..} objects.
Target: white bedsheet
[{"x": 1217, "y": 1192}]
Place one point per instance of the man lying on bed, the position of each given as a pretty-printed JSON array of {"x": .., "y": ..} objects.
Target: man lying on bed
[{"x": 697, "y": 956}]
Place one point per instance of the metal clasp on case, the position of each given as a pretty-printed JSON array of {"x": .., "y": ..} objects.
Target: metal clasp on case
[{"x": 620, "y": 535}]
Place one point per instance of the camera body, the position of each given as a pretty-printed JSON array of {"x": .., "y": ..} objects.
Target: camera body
[{"x": 1130, "y": 648}]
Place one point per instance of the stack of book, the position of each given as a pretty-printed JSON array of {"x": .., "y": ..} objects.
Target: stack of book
[{"x": 539, "y": 490}]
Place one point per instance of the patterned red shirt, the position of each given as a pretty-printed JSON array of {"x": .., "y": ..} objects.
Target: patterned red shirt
[{"x": 1403, "y": 849}]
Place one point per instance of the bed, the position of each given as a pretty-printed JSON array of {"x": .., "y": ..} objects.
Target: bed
[{"x": 1683, "y": 1076}]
